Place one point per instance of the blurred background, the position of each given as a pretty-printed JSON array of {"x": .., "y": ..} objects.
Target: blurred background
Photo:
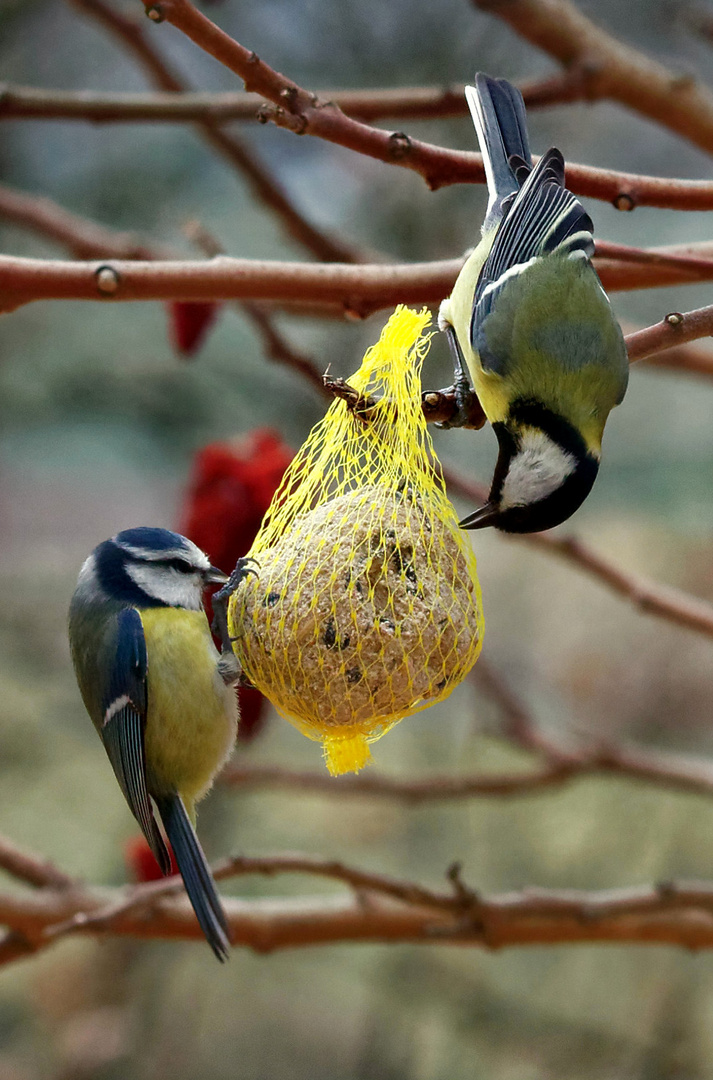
[{"x": 99, "y": 423}]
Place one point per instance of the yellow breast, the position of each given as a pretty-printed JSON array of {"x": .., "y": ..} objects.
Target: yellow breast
[
  {"x": 192, "y": 715},
  {"x": 458, "y": 311}
]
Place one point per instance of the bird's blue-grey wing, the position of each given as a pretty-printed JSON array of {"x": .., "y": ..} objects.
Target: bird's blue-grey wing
[
  {"x": 545, "y": 218},
  {"x": 123, "y": 722}
]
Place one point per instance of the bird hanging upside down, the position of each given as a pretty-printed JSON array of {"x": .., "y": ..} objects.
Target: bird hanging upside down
[{"x": 529, "y": 318}]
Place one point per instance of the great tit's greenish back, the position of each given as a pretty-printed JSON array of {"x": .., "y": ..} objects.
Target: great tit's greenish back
[{"x": 530, "y": 320}]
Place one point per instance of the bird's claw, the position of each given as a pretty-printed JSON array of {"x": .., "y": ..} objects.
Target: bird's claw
[
  {"x": 222, "y": 597},
  {"x": 462, "y": 396}
]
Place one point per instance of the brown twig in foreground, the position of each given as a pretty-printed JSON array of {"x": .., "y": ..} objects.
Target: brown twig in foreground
[
  {"x": 383, "y": 910},
  {"x": 87, "y": 239},
  {"x": 358, "y": 289},
  {"x": 676, "y": 328}
]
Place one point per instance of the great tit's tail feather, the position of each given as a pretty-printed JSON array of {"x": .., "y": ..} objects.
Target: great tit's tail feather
[
  {"x": 196, "y": 874},
  {"x": 500, "y": 121}
]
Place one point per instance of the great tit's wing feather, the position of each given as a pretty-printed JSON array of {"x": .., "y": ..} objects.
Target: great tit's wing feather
[
  {"x": 196, "y": 874},
  {"x": 544, "y": 219},
  {"x": 124, "y": 708},
  {"x": 498, "y": 113}
]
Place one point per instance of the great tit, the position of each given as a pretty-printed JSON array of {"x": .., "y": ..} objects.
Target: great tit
[
  {"x": 529, "y": 316},
  {"x": 160, "y": 695}
]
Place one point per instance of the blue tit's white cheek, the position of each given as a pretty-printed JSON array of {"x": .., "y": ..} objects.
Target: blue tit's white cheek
[
  {"x": 88, "y": 574},
  {"x": 167, "y": 585},
  {"x": 538, "y": 469}
]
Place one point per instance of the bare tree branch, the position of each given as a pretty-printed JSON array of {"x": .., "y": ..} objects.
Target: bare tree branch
[
  {"x": 305, "y": 114},
  {"x": 610, "y": 68},
  {"x": 676, "y": 328},
  {"x": 359, "y": 290},
  {"x": 27, "y": 867},
  {"x": 263, "y": 186},
  {"x": 84, "y": 238},
  {"x": 670, "y": 771},
  {"x": 408, "y": 102},
  {"x": 383, "y": 909},
  {"x": 662, "y": 601}
]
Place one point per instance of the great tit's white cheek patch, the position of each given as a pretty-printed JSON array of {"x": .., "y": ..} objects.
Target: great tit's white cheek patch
[
  {"x": 538, "y": 469},
  {"x": 169, "y": 586}
]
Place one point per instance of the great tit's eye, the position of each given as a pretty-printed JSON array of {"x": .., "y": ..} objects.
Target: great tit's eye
[{"x": 182, "y": 565}]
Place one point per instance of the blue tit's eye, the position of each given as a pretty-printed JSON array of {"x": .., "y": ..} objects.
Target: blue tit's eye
[{"x": 181, "y": 565}]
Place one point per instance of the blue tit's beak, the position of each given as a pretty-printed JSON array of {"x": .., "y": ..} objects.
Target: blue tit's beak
[
  {"x": 480, "y": 519},
  {"x": 214, "y": 576}
]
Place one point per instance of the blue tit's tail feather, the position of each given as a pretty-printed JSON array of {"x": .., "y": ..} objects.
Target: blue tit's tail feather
[
  {"x": 498, "y": 113},
  {"x": 196, "y": 873}
]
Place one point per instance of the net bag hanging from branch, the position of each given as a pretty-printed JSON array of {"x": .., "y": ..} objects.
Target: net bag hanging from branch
[{"x": 367, "y": 606}]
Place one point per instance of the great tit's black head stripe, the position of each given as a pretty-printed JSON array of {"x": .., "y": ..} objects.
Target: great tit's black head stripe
[
  {"x": 544, "y": 470},
  {"x": 525, "y": 412}
]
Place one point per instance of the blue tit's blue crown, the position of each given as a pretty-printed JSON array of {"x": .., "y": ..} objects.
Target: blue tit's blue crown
[
  {"x": 152, "y": 541},
  {"x": 149, "y": 567}
]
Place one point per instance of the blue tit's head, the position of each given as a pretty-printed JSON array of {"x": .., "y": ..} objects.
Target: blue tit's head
[
  {"x": 543, "y": 474},
  {"x": 147, "y": 567}
]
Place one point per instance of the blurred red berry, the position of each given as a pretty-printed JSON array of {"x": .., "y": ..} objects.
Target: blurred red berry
[
  {"x": 231, "y": 487},
  {"x": 140, "y": 861},
  {"x": 189, "y": 322},
  {"x": 252, "y": 713}
]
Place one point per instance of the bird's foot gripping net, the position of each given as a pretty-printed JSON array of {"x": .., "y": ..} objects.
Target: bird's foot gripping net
[{"x": 367, "y": 605}]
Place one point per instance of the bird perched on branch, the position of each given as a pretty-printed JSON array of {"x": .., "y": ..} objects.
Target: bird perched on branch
[
  {"x": 530, "y": 319},
  {"x": 159, "y": 693}
]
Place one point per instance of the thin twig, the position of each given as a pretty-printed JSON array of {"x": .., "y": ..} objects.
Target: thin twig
[
  {"x": 358, "y": 289},
  {"x": 675, "y": 329},
  {"x": 263, "y": 185},
  {"x": 28, "y": 867},
  {"x": 670, "y": 771},
  {"x": 384, "y": 910},
  {"x": 302, "y": 112},
  {"x": 85, "y": 239},
  {"x": 408, "y": 102},
  {"x": 31, "y": 869},
  {"x": 662, "y": 601},
  {"x": 611, "y": 69}
]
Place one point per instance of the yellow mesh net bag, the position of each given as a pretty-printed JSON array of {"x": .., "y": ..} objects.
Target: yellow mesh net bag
[{"x": 366, "y": 607}]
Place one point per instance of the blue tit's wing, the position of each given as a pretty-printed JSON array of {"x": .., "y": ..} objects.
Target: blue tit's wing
[
  {"x": 124, "y": 708},
  {"x": 544, "y": 219}
]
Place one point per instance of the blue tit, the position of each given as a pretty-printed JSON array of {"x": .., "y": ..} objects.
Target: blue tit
[
  {"x": 160, "y": 695},
  {"x": 530, "y": 318}
]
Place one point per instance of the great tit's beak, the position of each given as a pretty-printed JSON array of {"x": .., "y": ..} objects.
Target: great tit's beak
[
  {"x": 481, "y": 518},
  {"x": 214, "y": 576}
]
